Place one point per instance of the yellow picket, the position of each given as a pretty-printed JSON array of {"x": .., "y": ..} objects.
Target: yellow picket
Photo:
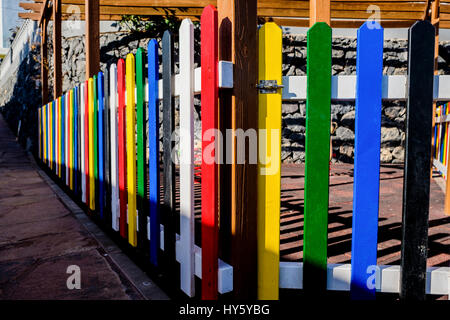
[
  {"x": 131, "y": 148},
  {"x": 269, "y": 170},
  {"x": 91, "y": 145}
]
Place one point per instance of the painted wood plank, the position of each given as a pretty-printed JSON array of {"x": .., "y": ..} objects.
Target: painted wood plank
[
  {"x": 131, "y": 148},
  {"x": 209, "y": 109},
  {"x": 70, "y": 137},
  {"x": 82, "y": 142},
  {"x": 369, "y": 71},
  {"x": 67, "y": 136},
  {"x": 63, "y": 139},
  {"x": 416, "y": 186},
  {"x": 113, "y": 99},
  {"x": 51, "y": 137},
  {"x": 317, "y": 146},
  {"x": 187, "y": 222},
  {"x": 101, "y": 147},
  {"x": 60, "y": 137},
  {"x": 86, "y": 140},
  {"x": 153, "y": 149},
  {"x": 122, "y": 148},
  {"x": 56, "y": 126},
  {"x": 107, "y": 150},
  {"x": 269, "y": 167},
  {"x": 40, "y": 132},
  {"x": 91, "y": 145},
  {"x": 56, "y": 121},
  {"x": 76, "y": 141},
  {"x": 141, "y": 151},
  {"x": 169, "y": 213},
  {"x": 45, "y": 133},
  {"x": 95, "y": 140}
]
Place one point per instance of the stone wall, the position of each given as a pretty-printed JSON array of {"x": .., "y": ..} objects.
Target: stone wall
[{"x": 117, "y": 45}]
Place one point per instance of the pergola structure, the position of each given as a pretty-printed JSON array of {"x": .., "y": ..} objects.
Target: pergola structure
[
  {"x": 339, "y": 14},
  {"x": 238, "y": 107}
]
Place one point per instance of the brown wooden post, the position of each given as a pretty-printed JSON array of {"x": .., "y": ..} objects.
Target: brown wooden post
[
  {"x": 238, "y": 43},
  {"x": 435, "y": 17},
  {"x": 319, "y": 11},
  {"x": 57, "y": 60},
  {"x": 44, "y": 62},
  {"x": 92, "y": 8}
]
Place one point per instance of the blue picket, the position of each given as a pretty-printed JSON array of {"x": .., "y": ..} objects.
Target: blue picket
[
  {"x": 63, "y": 136},
  {"x": 369, "y": 72},
  {"x": 101, "y": 165},
  {"x": 153, "y": 145}
]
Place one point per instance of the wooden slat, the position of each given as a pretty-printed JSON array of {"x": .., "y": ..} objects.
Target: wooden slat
[
  {"x": 141, "y": 151},
  {"x": 91, "y": 144},
  {"x": 187, "y": 234},
  {"x": 153, "y": 150},
  {"x": 269, "y": 165},
  {"x": 113, "y": 104},
  {"x": 107, "y": 150},
  {"x": 169, "y": 206},
  {"x": 210, "y": 90},
  {"x": 131, "y": 148},
  {"x": 122, "y": 148},
  {"x": 82, "y": 142},
  {"x": 86, "y": 140},
  {"x": 369, "y": 71},
  {"x": 95, "y": 139},
  {"x": 417, "y": 160},
  {"x": 317, "y": 148},
  {"x": 238, "y": 225},
  {"x": 101, "y": 144},
  {"x": 76, "y": 168}
]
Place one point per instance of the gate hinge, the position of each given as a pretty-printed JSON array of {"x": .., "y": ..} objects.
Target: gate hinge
[{"x": 268, "y": 86}]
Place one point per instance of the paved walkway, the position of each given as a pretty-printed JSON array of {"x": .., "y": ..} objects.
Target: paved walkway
[{"x": 40, "y": 238}]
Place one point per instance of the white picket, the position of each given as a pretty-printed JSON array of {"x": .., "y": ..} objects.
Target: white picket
[
  {"x": 115, "y": 211},
  {"x": 186, "y": 76},
  {"x": 82, "y": 142}
]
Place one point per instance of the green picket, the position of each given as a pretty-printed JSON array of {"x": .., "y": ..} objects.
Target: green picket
[
  {"x": 141, "y": 183},
  {"x": 318, "y": 110}
]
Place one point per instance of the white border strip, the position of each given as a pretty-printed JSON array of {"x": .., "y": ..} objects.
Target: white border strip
[
  {"x": 442, "y": 169},
  {"x": 225, "y": 272},
  {"x": 443, "y": 119},
  {"x": 387, "y": 278}
]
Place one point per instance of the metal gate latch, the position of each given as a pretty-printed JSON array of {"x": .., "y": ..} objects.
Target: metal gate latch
[{"x": 268, "y": 86}]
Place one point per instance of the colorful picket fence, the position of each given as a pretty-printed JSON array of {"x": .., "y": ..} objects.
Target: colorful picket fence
[
  {"x": 440, "y": 156},
  {"x": 94, "y": 139}
]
